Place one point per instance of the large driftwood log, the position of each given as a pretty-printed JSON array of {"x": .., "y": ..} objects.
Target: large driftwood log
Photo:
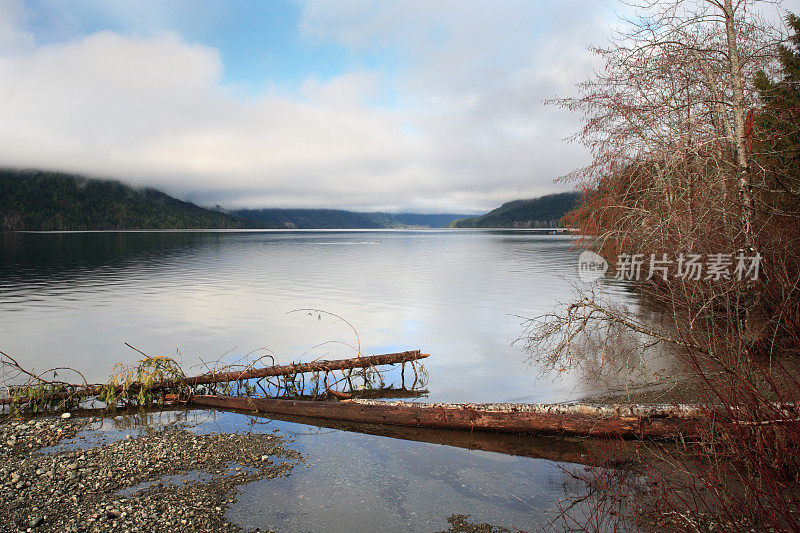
[
  {"x": 244, "y": 374},
  {"x": 638, "y": 422},
  {"x": 590, "y": 452}
]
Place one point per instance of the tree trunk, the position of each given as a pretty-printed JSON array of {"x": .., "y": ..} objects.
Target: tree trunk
[
  {"x": 240, "y": 375},
  {"x": 739, "y": 112},
  {"x": 637, "y": 422}
]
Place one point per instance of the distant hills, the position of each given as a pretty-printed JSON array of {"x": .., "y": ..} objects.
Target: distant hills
[
  {"x": 338, "y": 219},
  {"x": 543, "y": 212},
  {"x": 36, "y": 200}
]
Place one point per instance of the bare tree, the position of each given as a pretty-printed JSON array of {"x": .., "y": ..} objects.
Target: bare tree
[
  {"x": 669, "y": 121},
  {"x": 666, "y": 122}
]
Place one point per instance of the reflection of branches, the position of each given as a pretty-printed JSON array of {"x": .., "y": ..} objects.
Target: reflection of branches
[
  {"x": 558, "y": 335},
  {"x": 155, "y": 378},
  {"x": 739, "y": 475},
  {"x": 612, "y": 347},
  {"x": 606, "y": 493}
]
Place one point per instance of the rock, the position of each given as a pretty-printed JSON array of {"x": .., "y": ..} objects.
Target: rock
[
  {"x": 67, "y": 487},
  {"x": 66, "y": 415}
]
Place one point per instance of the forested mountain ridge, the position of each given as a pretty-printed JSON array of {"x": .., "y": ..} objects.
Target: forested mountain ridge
[
  {"x": 339, "y": 219},
  {"x": 316, "y": 218},
  {"x": 542, "y": 212},
  {"x": 442, "y": 220},
  {"x": 34, "y": 200}
]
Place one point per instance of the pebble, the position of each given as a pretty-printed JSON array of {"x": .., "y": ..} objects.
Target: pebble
[{"x": 72, "y": 489}]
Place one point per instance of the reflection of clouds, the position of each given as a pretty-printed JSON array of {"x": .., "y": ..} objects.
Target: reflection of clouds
[
  {"x": 397, "y": 485},
  {"x": 452, "y": 295}
]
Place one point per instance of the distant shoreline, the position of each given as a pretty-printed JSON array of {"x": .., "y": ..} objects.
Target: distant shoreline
[
  {"x": 35, "y": 200},
  {"x": 559, "y": 231}
]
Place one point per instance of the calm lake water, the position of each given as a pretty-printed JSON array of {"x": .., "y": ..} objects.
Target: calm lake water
[{"x": 75, "y": 298}]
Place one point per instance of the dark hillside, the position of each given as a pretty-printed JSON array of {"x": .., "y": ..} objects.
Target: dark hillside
[
  {"x": 33, "y": 200},
  {"x": 545, "y": 211}
]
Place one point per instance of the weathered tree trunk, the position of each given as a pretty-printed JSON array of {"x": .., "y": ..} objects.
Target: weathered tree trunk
[
  {"x": 562, "y": 449},
  {"x": 245, "y": 374},
  {"x": 739, "y": 112},
  {"x": 316, "y": 366},
  {"x": 636, "y": 422}
]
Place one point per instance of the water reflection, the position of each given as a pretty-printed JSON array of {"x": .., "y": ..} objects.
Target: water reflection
[
  {"x": 75, "y": 298},
  {"x": 364, "y": 478},
  {"x": 362, "y": 482}
]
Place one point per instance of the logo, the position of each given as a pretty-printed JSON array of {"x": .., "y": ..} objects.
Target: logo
[{"x": 591, "y": 266}]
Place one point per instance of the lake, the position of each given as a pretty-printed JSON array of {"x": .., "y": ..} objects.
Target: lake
[{"x": 75, "y": 299}]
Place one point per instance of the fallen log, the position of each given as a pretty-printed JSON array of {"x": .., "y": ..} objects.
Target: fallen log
[
  {"x": 589, "y": 452},
  {"x": 298, "y": 368},
  {"x": 385, "y": 392},
  {"x": 633, "y": 422},
  {"x": 237, "y": 375}
]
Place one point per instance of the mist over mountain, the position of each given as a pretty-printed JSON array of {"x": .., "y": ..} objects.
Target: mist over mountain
[
  {"x": 36, "y": 200},
  {"x": 339, "y": 219}
]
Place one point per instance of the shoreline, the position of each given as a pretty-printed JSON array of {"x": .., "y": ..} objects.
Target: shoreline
[{"x": 50, "y": 482}]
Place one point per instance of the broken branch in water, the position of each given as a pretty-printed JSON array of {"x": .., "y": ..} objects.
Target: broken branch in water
[
  {"x": 163, "y": 375},
  {"x": 316, "y": 366}
]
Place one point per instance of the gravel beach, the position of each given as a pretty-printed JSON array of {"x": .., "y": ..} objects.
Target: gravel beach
[{"x": 169, "y": 479}]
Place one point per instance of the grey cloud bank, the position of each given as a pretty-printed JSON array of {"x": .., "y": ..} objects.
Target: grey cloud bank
[{"x": 468, "y": 131}]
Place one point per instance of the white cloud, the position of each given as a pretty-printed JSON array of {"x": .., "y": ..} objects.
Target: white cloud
[
  {"x": 12, "y": 37},
  {"x": 468, "y": 132}
]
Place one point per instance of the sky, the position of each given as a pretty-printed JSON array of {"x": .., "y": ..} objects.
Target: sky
[{"x": 395, "y": 105}]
